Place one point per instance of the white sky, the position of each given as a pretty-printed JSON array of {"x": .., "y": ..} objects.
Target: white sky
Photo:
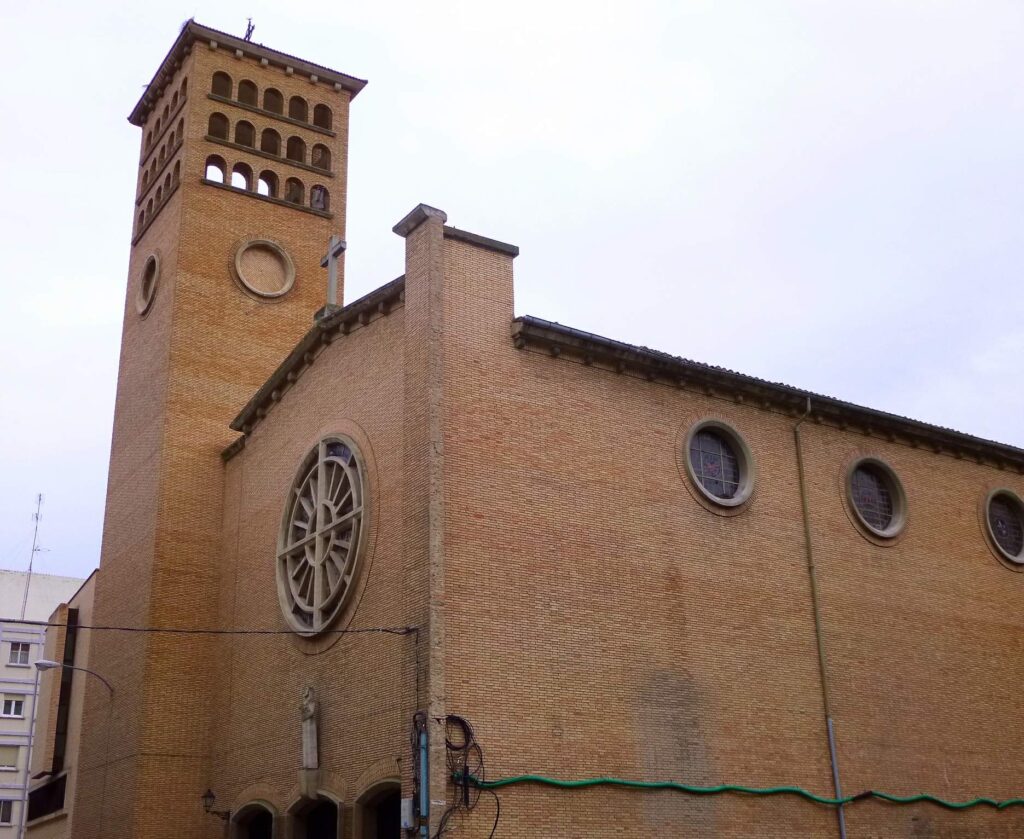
[{"x": 828, "y": 194}]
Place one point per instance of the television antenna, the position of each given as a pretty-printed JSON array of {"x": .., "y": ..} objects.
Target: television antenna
[
  {"x": 36, "y": 517},
  {"x": 248, "y": 30}
]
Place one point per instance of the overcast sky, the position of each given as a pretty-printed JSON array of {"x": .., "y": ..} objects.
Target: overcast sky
[{"x": 828, "y": 194}]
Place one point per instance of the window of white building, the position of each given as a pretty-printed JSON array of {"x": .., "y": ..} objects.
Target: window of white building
[
  {"x": 8, "y": 757},
  {"x": 19, "y": 654},
  {"x": 14, "y": 706}
]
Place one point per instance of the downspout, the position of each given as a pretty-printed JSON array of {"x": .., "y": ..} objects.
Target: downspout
[
  {"x": 424, "y": 784},
  {"x": 819, "y": 633}
]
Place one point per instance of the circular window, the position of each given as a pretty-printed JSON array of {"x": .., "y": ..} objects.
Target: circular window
[
  {"x": 877, "y": 497},
  {"x": 264, "y": 268},
  {"x": 321, "y": 536},
  {"x": 719, "y": 464},
  {"x": 147, "y": 285},
  {"x": 1004, "y": 515}
]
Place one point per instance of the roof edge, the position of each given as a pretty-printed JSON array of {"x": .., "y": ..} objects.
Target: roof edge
[
  {"x": 481, "y": 241},
  {"x": 325, "y": 331},
  {"x": 653, "y": 365},
  {"x": 193, "y": 32}
]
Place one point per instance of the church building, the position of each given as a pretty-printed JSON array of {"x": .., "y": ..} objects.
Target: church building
[{"x": 419, "y": 565}]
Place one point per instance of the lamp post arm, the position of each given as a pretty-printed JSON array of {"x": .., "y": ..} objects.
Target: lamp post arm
[{"x": 106, "y": 684}]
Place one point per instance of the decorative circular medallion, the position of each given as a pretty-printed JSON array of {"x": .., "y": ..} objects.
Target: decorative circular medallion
[
  {"x": 1004, "y": 517},
  {"x": 147, "y": 284},
  {"x": 719, "y": 464},
  {"x": 264, "y": 268},
  {"x": 321, "y": 535},
  {"x": 877, "y": 497}
]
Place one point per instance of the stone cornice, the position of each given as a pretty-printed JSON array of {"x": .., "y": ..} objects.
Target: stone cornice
[
  {"x": 416, "y": 216},
  {"x": 193, "y": 32},
  {"x": 530, "y": 333},
  {"x": 377, "y": 303},
  {"x": 481, "y": 241}
]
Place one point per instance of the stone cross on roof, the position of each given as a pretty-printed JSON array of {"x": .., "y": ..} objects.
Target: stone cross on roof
[{"x": 335, "y": 248}]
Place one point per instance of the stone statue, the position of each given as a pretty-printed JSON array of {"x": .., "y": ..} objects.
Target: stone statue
[{"x": 310, "y": 710}]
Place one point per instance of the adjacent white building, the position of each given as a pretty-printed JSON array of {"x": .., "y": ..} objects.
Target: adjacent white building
[{"x": 20, "y": 645}]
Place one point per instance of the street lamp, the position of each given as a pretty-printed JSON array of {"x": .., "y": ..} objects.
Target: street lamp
[
  {"x": 45, "y": 664},
  {"x": 209, "y": 799}
]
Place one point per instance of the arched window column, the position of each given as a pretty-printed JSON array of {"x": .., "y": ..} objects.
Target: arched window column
[
  {"x": 241, "y": 176},
  {"x": 322, "y": 117},
  {"x": 273, "y": 101},
  {"x": 270, "y": 142},
  {"x": 321, "y": 157},
  {"x": 245, "y": 134},
  {"x": 298, "y": 109},
  {"x": 268, "y": 184},
  {"x": 216, "y": 169},
  {"x": 319, "y": 198},
  {"x": 294, "y": 191},
  {"x": 296, "y": 149},
  {"x": 248, "y": 94},
  {"x": 222, "y": 85},
  {"x": 218, "y": 126}
]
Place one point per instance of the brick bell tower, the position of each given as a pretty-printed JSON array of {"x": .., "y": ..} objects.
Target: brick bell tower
[{"x": 241, "y": 182}]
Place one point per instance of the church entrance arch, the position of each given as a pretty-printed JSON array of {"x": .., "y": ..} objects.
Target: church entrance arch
[
  {"x": 378, "y": 812},
  {"x": 319, "y": 819},
  {"x": 253, "y": 821}
]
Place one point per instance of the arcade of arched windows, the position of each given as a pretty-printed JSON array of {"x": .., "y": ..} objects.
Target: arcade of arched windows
[
  {"x": 267, "y": 183},
  {"x": 270, "y": 144},
  {"x": 295, "y": 110},
  {"x": 160, "y": 159},
  {"x": 161, "y": 188},
  {"x": 164, "y": 120}
]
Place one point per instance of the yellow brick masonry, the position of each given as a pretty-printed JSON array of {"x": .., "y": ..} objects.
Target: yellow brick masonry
[
  {"x": 599, "y": 621},
  {"x": 596, "y": 619},
  {"x": 530, "y": 515},
  {"x": 204, "y": 347}
]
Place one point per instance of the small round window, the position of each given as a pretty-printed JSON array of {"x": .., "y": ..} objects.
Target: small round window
[
  {"x": 1005, "y": 517},
  {"x": 718, "y": 463},
  {"x": 321, "y": 536},
  {"x": 877, "y": 498},
  {"x": 147, "y": 284}
]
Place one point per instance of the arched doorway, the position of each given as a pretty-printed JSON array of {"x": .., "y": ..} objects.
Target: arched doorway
[
  {"x": 380, "y": 812},
  {"x": 316, "y": 820},
  {"x": 253, "y": 822}
]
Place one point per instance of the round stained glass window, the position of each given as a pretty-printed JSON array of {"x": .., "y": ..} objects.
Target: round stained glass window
[
  {"x": 321, "y": 535},
  {"x": 1006, "y": 524},
  {"x": 877, "y": 498},
  {"x": 719, "y": 464}
]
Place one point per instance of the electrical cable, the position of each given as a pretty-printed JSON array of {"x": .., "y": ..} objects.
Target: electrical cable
[
  {"x": 734, "y": 788},
  {"x": 465, "y": 761},
  {"x": 171, "y": 630}
]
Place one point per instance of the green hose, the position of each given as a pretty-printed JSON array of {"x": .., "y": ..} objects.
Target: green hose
[{"x": 695, "y": 790}]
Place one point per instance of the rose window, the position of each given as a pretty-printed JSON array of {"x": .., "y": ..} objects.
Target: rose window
[
  {"x": 1006, "y": 524},
  {"x": 320, "y": 536},
  {"x": 715, "y": 464}
]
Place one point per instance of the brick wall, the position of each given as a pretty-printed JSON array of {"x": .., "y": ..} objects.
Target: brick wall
[
  {"x": 366, "y": 684},
  {"x": 186, "y": 369},
  {"x": 601, "y": 621}
]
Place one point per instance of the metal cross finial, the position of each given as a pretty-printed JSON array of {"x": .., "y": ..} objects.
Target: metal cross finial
[{"x": 335, "y": 248}]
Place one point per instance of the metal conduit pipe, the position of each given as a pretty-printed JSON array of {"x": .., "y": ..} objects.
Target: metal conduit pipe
[{"x": 819, "y": 633}]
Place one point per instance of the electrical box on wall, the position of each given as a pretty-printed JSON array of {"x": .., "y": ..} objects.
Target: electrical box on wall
[{"x": 408, "y": 822}]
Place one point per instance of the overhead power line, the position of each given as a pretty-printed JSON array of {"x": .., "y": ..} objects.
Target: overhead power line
[{"x": 180, "y": 630}]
